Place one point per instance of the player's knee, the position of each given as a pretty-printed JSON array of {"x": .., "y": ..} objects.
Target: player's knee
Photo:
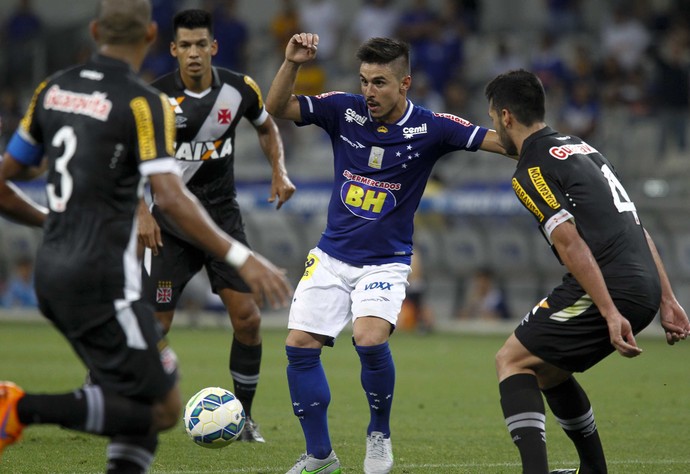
[
  {"x": 371, "y": 331},
  {"x": 305, "y": 340},
  {"x": 502, "y": 359},
  {"x": 246, "y": 320}
]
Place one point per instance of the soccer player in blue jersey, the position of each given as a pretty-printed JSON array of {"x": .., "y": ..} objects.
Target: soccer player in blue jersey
[{"x": 384, "y": 149}]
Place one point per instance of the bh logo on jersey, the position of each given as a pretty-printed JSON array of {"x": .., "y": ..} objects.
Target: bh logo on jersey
[{"x": 367, "y": 198}]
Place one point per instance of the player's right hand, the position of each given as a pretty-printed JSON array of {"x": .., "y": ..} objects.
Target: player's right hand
[
  {"x": 621, "y": 336},
  {"x": 148, "y": 232},
  {"x": 266, "y": 281},
  {"x": 302, "y": 47}
]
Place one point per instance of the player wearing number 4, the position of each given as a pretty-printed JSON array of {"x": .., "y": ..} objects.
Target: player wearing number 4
[
  {"x": 103, "y": 132},
  {"x": 384, "y": 149},
  {"x": 615, "y": 285}
]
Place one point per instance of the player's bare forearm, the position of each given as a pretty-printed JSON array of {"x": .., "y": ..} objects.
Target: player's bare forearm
[
  {"x": 666, "y": 289},
  {"x": 185, "y": 211},
  {"x": 673, "y": 317},
  {"x": 14, "y": 204},
  {"x": 493, "y": 144},
  {"x": 280, "y": 100},
  {"x": 271, "y": 143},
  {"x": 578, "y": 258},
  {"x": 265, "y": 280}
]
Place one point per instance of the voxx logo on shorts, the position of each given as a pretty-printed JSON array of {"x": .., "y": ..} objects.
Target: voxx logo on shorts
[{"x": 378, "y": 285}]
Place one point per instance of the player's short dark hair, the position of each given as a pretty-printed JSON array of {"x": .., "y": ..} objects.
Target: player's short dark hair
[
  {"x": 123, "y": 21},
  {"x": 192, "y": 19},
  {"x": 521, "y": 92},
  {"x": 385, "y": 51}
]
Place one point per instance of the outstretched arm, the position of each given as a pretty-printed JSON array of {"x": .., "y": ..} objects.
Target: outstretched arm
[
  {"x": 674, "y": 320},
  {"x": 578, "y": 258},
  {"x": 184, "y": 209},
  {"x": 493, "y": 144},
  {"x": 13, "y": 203},
  {"x": 280, "y": 100},
  {"x": 272, "y": 146}
]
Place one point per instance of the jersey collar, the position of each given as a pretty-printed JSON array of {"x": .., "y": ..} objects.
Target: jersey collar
[
  {"x": 536, "y": 136},
  {"x": 406, "y": 115},
  {"x": 103, "y": 60},
  {"x": 215, "y": 81}
]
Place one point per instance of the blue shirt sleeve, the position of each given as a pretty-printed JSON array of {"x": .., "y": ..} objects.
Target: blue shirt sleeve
[{"x": 25, "y": 152}]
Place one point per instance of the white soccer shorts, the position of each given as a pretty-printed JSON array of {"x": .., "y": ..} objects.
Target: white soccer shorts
[{"x": 332, "y": 293}]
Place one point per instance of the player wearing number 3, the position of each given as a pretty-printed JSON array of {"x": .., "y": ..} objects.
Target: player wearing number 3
[
  {"x": 103, "y": 132},
  {"x": 615, "y": 285}
]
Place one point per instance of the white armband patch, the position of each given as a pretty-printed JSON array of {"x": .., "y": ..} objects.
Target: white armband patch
[{"x": 557, "y": 219}]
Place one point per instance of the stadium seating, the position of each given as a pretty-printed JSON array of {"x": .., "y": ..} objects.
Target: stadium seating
[{"x": 272, "y": 234}]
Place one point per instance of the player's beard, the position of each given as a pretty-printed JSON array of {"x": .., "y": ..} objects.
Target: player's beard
[{"x": 506, "y": 141}]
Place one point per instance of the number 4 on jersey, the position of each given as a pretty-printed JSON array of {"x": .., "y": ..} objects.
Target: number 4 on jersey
[{"x": 620, "y": 196}]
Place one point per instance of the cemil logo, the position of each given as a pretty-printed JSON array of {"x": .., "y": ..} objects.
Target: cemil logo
[
  {"x": 352, "y": 116},
  {"x": 409, "y": 132}
]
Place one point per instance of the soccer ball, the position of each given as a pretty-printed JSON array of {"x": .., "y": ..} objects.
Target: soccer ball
[{"x": 214, "y": 417}]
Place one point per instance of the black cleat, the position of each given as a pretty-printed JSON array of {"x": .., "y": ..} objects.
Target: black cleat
[{"x": 251, "y": 433}]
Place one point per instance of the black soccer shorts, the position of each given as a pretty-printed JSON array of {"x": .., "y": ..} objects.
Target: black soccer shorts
[
  {"x": 166, "y": 275},
  {"x": 567, "y": 330},
  {"x": 124, "y": 349}
]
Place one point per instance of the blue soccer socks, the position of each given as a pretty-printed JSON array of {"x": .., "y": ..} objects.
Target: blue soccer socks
[
  {"x": 310, "y": 397},
  {"x": 378, "y": 382}
]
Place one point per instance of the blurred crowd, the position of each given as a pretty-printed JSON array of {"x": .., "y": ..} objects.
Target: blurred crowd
[{"x": 631, "y": 55}]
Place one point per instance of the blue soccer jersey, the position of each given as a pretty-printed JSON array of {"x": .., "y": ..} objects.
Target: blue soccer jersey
[{"x": 380, "y": 172}]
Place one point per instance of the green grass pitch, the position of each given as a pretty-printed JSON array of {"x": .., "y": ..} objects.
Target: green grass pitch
[{"x": 446, "y": 415}]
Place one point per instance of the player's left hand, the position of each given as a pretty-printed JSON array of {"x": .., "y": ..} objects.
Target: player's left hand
[
  {"x": 621, "y": 336},
  {"x": 674, "y": 320},
  {"x": 281, "y": 188}
]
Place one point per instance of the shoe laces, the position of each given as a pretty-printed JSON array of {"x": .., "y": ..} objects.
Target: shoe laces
[
  {"x": 377, "y": 446},
  {"x": 298, "y": 464}
]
